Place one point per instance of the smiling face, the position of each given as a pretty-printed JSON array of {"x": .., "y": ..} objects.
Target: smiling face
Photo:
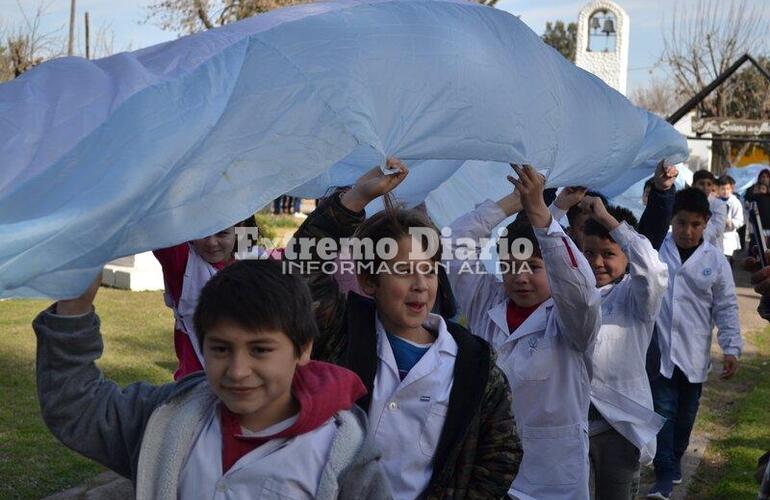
[
  {"x": 252, "y": 371},
  {"x": 217, "y": 247},
  {"x": 687, "y": 228},
  {"x": 607, "y": 260},
  {"x": 527, "y": 289},
  {"x": 405, "y": 295}
]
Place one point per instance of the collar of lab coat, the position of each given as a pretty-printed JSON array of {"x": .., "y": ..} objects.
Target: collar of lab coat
[
  {"x": 444, "y": 343},
  {"x": 536, "y": 321},
  {"x": 670, "y": 246}
]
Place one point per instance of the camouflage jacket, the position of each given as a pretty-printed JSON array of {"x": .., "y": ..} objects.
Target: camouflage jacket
[{"x": 478, "y": 453}]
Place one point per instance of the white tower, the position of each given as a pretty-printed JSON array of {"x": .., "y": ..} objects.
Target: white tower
[{"x": 602, "y": 42}]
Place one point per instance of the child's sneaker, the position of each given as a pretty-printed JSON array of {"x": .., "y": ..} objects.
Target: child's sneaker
[
  {"x": 661, "y": 490},
  {"x": 677, "y": 477}
]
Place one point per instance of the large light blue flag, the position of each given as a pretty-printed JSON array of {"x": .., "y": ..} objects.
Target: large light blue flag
[{"x": 141, "y": 150}]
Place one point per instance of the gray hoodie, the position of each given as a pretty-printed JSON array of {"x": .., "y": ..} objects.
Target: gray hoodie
[{"x": 145, "y": 432}]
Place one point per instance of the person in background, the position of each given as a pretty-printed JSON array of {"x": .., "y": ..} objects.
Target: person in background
[
  {"x": 705, "y": 181},
  {"x": 734, "y": 219},
  {"x": 186, "y": 268}
]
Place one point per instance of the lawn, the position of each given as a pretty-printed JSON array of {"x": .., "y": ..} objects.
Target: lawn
[
  {"x": 735, "y": 417},
  {"x": 137, "y": 330}
]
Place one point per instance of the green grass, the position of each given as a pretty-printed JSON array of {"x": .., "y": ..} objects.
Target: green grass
[
  {"x": 739, "y": 431},
  {"x": 138, "y": 332}
]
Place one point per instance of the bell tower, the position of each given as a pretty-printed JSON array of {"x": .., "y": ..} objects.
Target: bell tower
[{"x": 602, "y": 42}]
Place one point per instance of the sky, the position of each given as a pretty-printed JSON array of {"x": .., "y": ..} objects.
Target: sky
[{"x": 125, "y": 19}]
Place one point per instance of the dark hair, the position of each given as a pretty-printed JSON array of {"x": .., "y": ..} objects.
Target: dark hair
[
  {"x": 692, "y": 200},
  {"x": 726, "y": 180},
  {"x": 394, "y": 222},
  {"x": 593, "y": 228},
  {"x": 575, "y": 210},
  {"x": 519, "y": 228},
  {"x": 764, "y": 171},
  {"x": 702, "y": 174},
  {"x": 256, "y": 295}
]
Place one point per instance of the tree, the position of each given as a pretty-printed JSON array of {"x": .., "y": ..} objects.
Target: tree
[
  {"x": 561, "y": 38},
  {"x": 658, "y": 97},
  {"x": 190, "y": 16},
  {"x": 702, "y": 43},
  {"x": 27, "y": 46}
]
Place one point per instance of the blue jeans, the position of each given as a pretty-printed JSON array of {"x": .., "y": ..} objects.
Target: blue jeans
[{"x": 677, "y": 400}]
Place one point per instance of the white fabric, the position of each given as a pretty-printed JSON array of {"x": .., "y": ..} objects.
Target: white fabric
[
  {"x": 545, "y": 359},
  {"x": 746, "y": 176},
  {"x": 280, "y": 468},
  {"x": 732, "y": 240},
  {"x": 146, "y": 149},
  {"x": 701, "y": 293},
  {"x": 406, "y": 416},
  {"x": 620, "y": 389}
]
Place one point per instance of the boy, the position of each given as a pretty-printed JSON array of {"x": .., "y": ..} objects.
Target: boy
[
  {"x": 734, "y": 219},
  {"x": 622, "y": 422},
  {"x": 263, "y": 421},
  {"x": 701, "y": 293},
  {"x": 439, "y": 407},
  {"x": 577, "y": 218},
  {"x": 704, "y": 181},
  {"x": 542, "y": 321}
]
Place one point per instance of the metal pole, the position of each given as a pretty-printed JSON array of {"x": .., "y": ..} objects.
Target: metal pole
[
  {"x": 88, "y": 39},
  {"x": 71, "y": 41}
]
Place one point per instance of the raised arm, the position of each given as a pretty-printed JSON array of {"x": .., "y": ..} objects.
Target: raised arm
[
  {"x": 84, "y": 410},
  {"x": 648, "y": 274},
  {"x": 715, "y": 229},
  {"x": 656, "y": 217},
  {"x": 337, "y": 218},
  {"x": 572, "y": 283},
  {"x": 477, "y": 292}
]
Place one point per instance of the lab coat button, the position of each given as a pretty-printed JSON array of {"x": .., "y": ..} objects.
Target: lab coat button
[
  {"x": 222, "y": 486},
  {"x": 393, "y": 405}
]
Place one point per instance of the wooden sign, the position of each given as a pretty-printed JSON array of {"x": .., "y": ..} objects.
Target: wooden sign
[{"x": 730, "y": 126}]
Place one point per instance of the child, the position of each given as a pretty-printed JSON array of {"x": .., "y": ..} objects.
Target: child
[
  {"x": 734, "y": 219},
  {"x": 632, "y": 281},
  {"x": 701, "y": 293},
  {"x": 577, "y": 218},
  {"x": 542, "y": 321},
  {"x": 704, "y": 181},
  {"x": 263, "y": 422},
  {"x": 186, "y": 268},
  {"x": 440, "y": 410}
]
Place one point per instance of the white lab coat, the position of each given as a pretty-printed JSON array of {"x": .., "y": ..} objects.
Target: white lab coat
[
  {"x": 407, "y": 416},
  {"x": 280, "y": 468},
  {"x": 732, "y": 241},
  {"x": 620, "y": 389},
  {"x": 701, "y": 294},
  {"x": 545, "y": 359},
  {"x": 715, "y": 229}
]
